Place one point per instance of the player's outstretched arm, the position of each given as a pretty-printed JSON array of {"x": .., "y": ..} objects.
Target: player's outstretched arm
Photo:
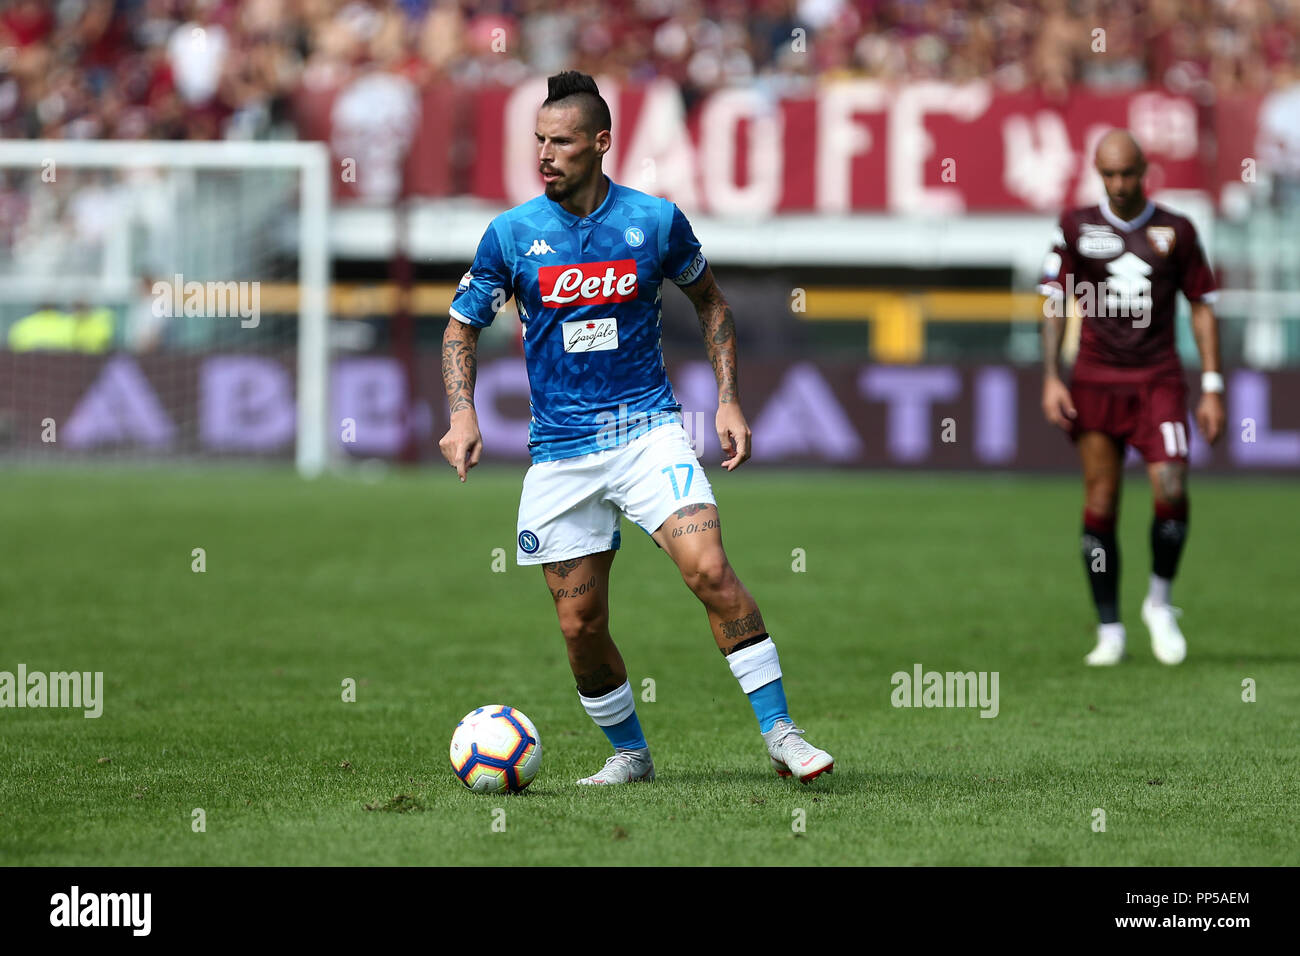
[
  {"x": 463, "y": 443},
  {"x": 1210, "y": 413},
  {"x": 719, "y": 328},
  {"x": 1058, "y": 407}
]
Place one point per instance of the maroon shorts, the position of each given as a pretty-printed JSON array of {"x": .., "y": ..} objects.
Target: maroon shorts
[{"x": 1152, "y": 417}]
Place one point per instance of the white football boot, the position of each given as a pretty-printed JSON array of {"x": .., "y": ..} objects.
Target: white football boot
[
  {"x": 1167, "y": 641},
  {"x": 1110, "y": 647},
  {"x": 626, "y": 766},
  {"x": 793, "y": 756}
]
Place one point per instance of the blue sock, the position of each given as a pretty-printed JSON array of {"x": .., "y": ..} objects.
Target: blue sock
[
  {"x": 769, "y": 705},
  {"x": 627, "y": 734}
]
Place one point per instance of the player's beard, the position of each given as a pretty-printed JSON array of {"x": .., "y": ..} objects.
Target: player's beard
[
  {"x": 558, "y": 191},
  {"x": 562, "y": 189}
]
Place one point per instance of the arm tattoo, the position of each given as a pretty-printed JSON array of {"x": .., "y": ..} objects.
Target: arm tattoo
[
  {"x": 689, "y": 510},
  {"x": 719, "y": 327},
  {"x": 459, "y": 366}
]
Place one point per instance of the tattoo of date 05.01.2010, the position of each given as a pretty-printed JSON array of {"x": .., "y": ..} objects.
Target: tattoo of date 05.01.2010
[
  {"x": 577, "y": 590},
  {"x": 693, "y": 526}
]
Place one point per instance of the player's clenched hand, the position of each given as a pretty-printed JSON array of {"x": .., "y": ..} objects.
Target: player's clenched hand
[
  {"x": 463, "y": 443},
  {"x": 1057, "y": 404},
  {"x": 733, "y": 435},
  {"x": 1210, "y": 416}
]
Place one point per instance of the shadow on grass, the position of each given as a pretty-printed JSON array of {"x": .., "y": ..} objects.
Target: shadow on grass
[
  {"x": 717, "y": 779},
  {"x": 1195, "y": 657}
]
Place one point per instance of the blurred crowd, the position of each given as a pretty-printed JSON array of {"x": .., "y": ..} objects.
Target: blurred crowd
[{"x": 202, "y": 69}]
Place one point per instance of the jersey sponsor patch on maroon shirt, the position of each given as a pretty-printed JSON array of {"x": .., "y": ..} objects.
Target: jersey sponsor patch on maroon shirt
[{"x": 1125, "y": 278}]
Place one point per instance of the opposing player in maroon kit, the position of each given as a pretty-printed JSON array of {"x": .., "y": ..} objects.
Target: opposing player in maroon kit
[{"x": 1124, "y": 261}]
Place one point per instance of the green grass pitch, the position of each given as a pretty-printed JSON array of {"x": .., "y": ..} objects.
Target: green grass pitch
[{"x": 223, "y": 689}]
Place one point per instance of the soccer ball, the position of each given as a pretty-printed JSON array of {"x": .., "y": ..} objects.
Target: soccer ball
[{"x": 496, "y": 749}]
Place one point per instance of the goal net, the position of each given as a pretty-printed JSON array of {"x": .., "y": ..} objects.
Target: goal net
[{"x": 164, "y": 301}]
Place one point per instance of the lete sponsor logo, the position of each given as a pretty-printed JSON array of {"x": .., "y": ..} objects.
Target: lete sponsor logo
[{"x": 590, "y": 283}]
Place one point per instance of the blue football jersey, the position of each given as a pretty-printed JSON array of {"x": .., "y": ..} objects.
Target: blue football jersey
[{"x": 588, "y": 292}]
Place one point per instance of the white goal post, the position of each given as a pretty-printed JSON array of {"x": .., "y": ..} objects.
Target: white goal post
[{"x": 111, "y": 271}]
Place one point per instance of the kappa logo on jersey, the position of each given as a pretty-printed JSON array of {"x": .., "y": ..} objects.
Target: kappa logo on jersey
[
  {"x": 591, "y": 283},
  {"x": 539, "y": 248},
  {"x": 1100, "y": 245}
]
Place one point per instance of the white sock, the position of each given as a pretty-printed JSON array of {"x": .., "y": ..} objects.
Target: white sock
[
  {"x": 1106, "y": 633},
  {"x": 1158, "y": 590},
  {"x": 756, "y": 665},
  {"x": 614, "y": 708}
]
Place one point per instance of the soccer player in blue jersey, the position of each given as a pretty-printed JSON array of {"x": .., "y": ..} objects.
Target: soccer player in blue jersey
[{"x": 585, "y": 264}]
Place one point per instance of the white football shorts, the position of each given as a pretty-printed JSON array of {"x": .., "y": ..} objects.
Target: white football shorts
[{"x": 571, "y": 507}]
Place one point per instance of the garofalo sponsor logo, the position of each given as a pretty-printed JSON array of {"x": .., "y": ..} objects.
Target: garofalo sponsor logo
[
  {"x": 600, "y": 335},
  {"x": 76, "y": 689},
  {"x": 951, "y": 689},
  {"x": 102, "y": 909}
]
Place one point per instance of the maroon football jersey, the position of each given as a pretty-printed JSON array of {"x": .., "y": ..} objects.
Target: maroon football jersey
[{"x": 1125, "y": 277}]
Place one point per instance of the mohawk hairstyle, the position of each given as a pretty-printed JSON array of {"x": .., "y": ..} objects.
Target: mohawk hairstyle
[{"x": 581, "y": 90}]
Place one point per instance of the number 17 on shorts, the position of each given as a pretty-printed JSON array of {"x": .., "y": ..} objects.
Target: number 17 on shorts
[{"x": 674, "y": 472}]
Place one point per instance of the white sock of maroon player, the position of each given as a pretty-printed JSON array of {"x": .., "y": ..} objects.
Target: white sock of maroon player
[{"x": 1158, "y": 590}]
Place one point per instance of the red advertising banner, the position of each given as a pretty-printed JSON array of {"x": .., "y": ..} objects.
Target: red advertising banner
[
  {"x": 852, "y": 146},
  {"x": 928, "y": 148}
]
